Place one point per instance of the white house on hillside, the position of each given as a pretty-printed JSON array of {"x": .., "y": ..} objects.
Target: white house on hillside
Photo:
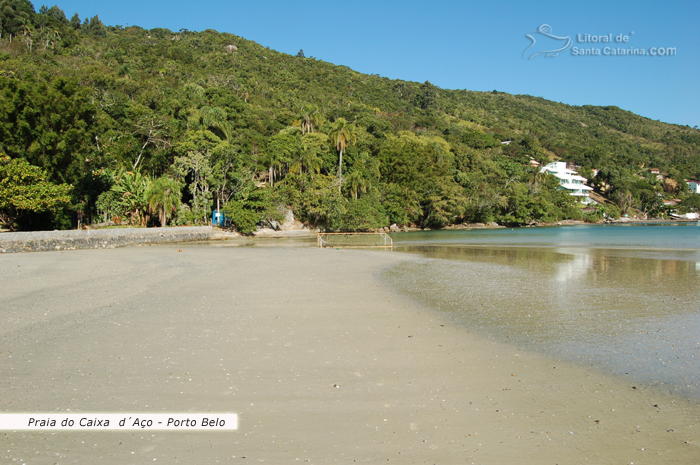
[{"x": 569, "y": 180}]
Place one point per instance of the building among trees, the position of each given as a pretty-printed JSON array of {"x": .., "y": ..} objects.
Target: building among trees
[{"x": 569, "y": 180}]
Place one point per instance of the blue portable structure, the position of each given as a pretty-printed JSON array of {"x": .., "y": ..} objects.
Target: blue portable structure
[{"x": 218, "y": 218}]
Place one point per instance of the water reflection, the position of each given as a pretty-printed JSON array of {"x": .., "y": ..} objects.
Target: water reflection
[
  {"x": 650, "y": 236},
  {"x": 576, "y": 268},
  {"x": 566, "y": 263},
  {"x": 618, "y": 310}
]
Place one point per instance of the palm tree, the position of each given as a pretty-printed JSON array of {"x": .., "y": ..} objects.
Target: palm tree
[
  {"x": 307, "y": 160},
  {"x": 365, "y": 169},
  {"x": 163, "y": 196},
  {"x": 357, "y": 183},
  {"x": 312, "y": 145},
  {"x": 215, "y": 118},
  {"x": 310, "y": 118},
  {"x": 341, "y": 134}
]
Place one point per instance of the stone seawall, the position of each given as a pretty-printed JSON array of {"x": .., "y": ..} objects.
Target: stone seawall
[{"x": 43, "y": 241}]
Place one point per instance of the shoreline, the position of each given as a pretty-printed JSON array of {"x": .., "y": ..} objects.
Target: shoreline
[
  {"x": 320, "y": 359},
  {"x": 45, "y": 241}
]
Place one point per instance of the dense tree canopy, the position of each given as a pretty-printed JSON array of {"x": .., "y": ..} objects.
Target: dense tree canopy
[
  {"x": 116, "y": 111},
  {"x": 24, "y": 189}
]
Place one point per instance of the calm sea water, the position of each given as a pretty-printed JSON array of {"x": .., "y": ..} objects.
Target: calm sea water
[
  {"x": 623, "y": 298},
  {"x": 635, "y": 236}
]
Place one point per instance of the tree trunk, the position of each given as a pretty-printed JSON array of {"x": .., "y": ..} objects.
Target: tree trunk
[{"x": 340, "y": 170}]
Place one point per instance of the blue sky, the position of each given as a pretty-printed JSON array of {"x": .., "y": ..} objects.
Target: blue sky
[{"x": 475, "y": 45}]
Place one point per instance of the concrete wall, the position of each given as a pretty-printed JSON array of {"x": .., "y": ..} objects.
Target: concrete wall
[{"x": 42, "y": 241}]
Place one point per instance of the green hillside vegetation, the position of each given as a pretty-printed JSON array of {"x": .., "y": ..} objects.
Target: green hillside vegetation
[{"x": 159, "y": 127}]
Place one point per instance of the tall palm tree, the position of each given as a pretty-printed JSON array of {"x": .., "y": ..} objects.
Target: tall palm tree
[{"x": 342, "y": 133}]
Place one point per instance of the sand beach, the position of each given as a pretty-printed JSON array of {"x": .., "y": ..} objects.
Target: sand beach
[{"x": 322, "y": 362}]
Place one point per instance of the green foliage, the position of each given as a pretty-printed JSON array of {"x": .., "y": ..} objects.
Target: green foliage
[
  {"x": 416, "y": 162},
  {"x": 24, "y": 187},
  {"x": 623, "y": 201},
  {"x": 471, "y": 137},
  {"x": 423, "y": 167},
  {"x": 322, "y": 204},
  {"x": 94, "y": 27},
  {"x": 15, "y": 16},
  {"x": 109, "y": 204},
  {"x": 185, "y": 216},
  {"x": 401, "y": 204},
  {"x": 650, "y": 202},
  {"x": 56, "y": 13},
  {"x": 525, "y": 205},
  {"x": 602, "y": 211},
  {"x": 49, "y": 123},
  {"x": 427, "y": 96},
  {"x": 364, "y": 175},
  {"x": 163, "y": 197},
  {"x": 611, "y": 211},
  {"x": 128, "y": 197},
  {"x": 75, "y": 21},
  {"x": 242, "y": 218},
  {"x": 251, "y": 207},
  {"x": 690, "y": 204},
  {"x": 363, "y": 214},
  {"x": 196, "y": 162},
  {"x": 220, "y": 115}
]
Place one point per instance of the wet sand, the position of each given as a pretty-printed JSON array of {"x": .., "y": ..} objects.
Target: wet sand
[{"x": 321, "y": 361}]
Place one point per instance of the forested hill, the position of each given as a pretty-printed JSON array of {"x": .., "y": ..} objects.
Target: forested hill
[{"x": 158, "y": 126}]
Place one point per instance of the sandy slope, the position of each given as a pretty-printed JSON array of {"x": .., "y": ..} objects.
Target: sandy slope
[{"x": 321, "y": 362}]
